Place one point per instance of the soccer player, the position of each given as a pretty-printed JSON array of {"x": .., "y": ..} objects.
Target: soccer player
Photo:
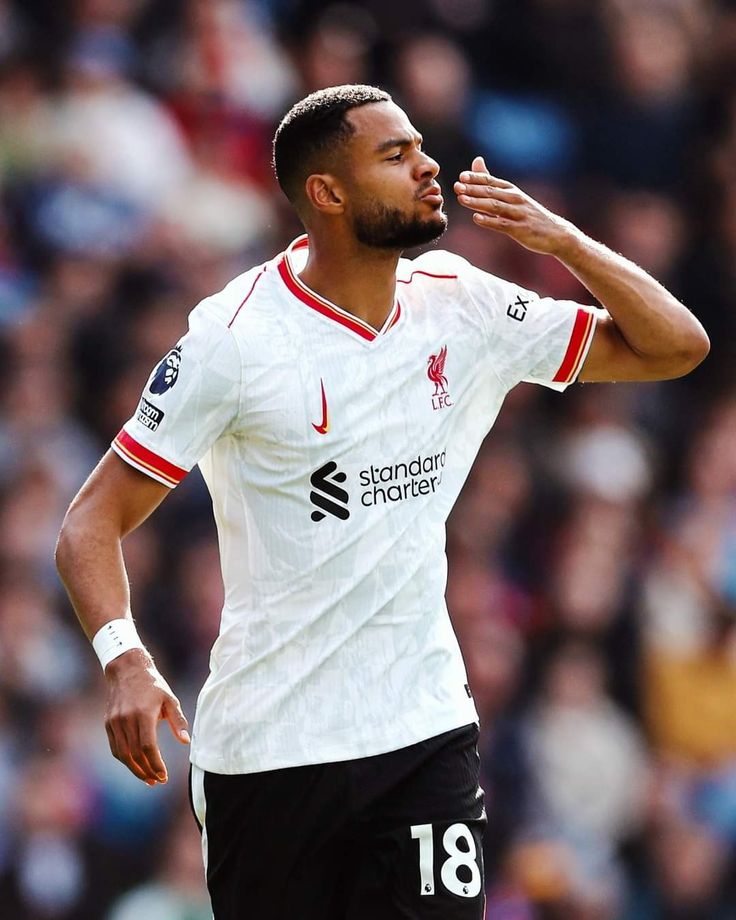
[{"x": 335, "y": 398}]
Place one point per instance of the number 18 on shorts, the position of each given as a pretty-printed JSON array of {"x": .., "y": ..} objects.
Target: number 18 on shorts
[{"x": 455, "y": 866}]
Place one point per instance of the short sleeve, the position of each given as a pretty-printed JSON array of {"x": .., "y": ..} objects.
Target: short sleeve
[
  {"x": 190, "y": 400},
  {"x": 531, "y": 338}
]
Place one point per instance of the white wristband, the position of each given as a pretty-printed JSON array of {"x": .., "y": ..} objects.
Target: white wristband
[{"x": 115, "y": 638}]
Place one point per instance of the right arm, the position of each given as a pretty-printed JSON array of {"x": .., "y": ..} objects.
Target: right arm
[{"x": 114, "y": 501}]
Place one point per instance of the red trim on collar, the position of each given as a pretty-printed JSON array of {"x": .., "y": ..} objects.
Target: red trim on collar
[{"x": 324, "y": 307}]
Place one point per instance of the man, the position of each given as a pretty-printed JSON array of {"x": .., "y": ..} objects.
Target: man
[{"x": 334, "y": 399}]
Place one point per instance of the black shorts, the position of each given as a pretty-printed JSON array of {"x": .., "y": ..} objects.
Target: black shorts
[{"x": 391, "y": 837}]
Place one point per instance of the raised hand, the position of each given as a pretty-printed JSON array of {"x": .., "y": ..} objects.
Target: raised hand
[{"x": 500, "y": 205}]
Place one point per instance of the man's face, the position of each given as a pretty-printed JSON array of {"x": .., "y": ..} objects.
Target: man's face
[{"x": 394, "y": 198}]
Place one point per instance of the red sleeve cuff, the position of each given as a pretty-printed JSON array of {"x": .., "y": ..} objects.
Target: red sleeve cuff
[
  {"x": 146, "y": 461},
  {"x": 577, "y": 348}
]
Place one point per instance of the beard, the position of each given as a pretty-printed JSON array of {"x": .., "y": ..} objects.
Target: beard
[{"x": 389, "y": 228}]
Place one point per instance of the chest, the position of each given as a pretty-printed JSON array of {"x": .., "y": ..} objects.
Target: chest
[{"x": 313, "y": 391}]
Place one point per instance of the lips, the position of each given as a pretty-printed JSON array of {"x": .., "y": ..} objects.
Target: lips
[{"x": 433, "y": 195}]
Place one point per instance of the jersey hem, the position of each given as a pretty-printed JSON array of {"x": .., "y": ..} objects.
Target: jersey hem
[{"x": 340, "y": 752}]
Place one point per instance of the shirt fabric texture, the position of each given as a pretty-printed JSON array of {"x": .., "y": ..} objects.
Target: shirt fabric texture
[{"x": 334, "y": 453}]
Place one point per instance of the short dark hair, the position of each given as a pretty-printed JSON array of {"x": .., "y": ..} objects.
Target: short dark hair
[{"x": 312, "y": 129}]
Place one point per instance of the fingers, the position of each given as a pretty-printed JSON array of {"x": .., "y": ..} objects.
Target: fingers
[
  {"x": 483, "y": 177},
  {"x": 139, "y": 699},
  {"x": 493, "y": 207},
  {"x": 496, "y": 202},
  {"x": 496, "y": 198},
  {"x": 150, "y": 755},
  {"x": 126, "y": 752},
  {"x": 490, "y": 220},
  {"x": 133, "y": 741},
  {"x": 510, "y": 195},
  {"x": 499, "y": 205},
  {"x": 132, "y": 738},
  {"x": 171, "y": 711}
]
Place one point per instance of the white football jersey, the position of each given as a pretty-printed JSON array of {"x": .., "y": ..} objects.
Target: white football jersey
[{"x": 333, "y": 453}]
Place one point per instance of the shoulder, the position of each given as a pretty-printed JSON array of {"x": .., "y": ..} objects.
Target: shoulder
[
  {"x": 222, "y": 309},
  {"x": 439, "y": 268},
  {"x": 439, "y": 264}
]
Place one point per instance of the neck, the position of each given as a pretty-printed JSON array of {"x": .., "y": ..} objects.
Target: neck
[{"x": 359, "y": 279}]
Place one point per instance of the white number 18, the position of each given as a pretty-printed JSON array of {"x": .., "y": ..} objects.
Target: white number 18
[{"x": 456, "y": 858}]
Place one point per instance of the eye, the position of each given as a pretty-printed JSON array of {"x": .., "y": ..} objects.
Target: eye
[{"x": 397, "y": 157}]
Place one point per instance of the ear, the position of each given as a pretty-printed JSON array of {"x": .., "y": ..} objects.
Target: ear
[{"x": 324, "y": 193}]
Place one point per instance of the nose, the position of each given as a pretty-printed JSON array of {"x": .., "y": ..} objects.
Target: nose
[{"x": 427, "y": 168}]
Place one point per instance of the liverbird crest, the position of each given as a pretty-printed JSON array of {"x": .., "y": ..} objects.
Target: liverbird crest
[{"x": 436, "y": 371}]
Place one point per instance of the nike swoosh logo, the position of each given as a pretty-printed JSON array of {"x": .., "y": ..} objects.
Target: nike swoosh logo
[{"x": 324, "y": 426}]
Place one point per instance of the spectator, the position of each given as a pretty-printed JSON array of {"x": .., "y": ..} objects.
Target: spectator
[
  {"x": 592, "y": 550},
  {"x": 178, "y": 891}
]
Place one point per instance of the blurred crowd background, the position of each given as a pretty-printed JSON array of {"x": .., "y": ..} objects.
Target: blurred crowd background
[{"x": 593, "y": 551}]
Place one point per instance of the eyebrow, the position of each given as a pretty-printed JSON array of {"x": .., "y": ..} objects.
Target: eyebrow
[{"x": 399, "y": 142}]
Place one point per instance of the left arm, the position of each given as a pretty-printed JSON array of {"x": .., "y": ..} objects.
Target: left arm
[{"x": 650, "y": 335}]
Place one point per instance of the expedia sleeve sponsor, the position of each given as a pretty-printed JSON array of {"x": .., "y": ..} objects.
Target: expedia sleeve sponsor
[{"x": 531, "y": 338}]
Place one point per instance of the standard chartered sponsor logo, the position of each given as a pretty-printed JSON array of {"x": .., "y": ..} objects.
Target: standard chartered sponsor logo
[
  {"x": 398, "y": 482},
  {"x": 325, "y": 489},
  {"x": 382, "y": 485}
]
